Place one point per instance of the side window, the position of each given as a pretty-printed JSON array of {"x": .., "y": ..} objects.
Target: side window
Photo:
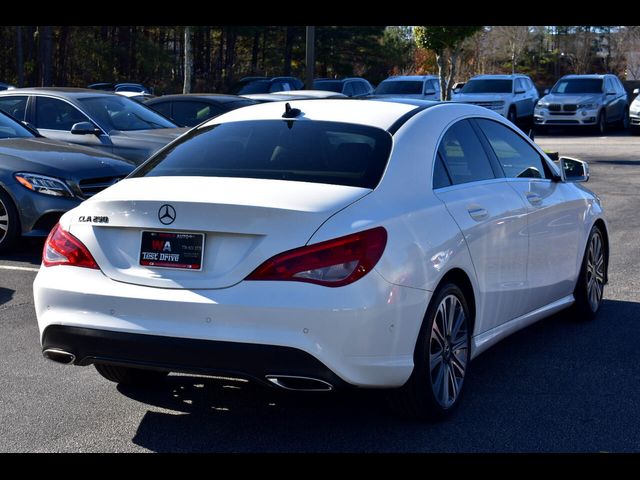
[
  {"x": 431, "y": 85},
  {"x": 463, "y": 155},
  {"x": 609, "y": 85},
  {"x": 191, "y": 114},
  {"x": 14, "y": 105},
  {"x": 348, "y": 89},
  {"x": 164, "y": 108},
  {"x": 54, "y": 114},
  {"x": 440, "y": 175},
  {"x": 517, "y": 157}
]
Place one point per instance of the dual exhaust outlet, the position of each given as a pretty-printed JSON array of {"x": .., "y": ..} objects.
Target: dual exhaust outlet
[{"x": 286, "y": 382}]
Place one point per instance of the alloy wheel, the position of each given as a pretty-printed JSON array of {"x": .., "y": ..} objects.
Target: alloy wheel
[
  {"x": 595, "y": 271},
  {"x": 448, "y": 351},
  {"x": 4, "y": 221}
]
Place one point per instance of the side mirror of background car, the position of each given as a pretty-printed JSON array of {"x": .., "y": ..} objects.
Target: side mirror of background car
[
  {"x": 85, "y": 128},
  {"x": 574, "y": 170}
]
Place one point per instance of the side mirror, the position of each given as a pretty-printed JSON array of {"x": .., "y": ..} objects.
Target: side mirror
[
  {"x": 636, "y": 91},
  {"x": 574, "y": 170},
  {"x": 85, "y": 128},
  {"x": 546, "y": 91},
  {"x": 429, "y": 91}
]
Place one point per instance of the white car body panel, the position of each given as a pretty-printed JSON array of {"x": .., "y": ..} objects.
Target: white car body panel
[{"x": 364, "y": 332}]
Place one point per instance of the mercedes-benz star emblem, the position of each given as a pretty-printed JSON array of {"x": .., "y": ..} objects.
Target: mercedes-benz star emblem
[{"x": 166, "y": 214}]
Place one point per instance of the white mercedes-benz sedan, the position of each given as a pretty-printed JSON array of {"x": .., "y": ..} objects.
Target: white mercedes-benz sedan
[{"x": 322, "y": 244}]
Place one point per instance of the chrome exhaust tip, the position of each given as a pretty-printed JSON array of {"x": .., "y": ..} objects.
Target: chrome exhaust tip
[
  {"x": 59, "y": 356},
  {"x": 299, "y": 384}
]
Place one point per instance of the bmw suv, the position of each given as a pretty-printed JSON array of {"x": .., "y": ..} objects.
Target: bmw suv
[{"x": 594, "y": 101}]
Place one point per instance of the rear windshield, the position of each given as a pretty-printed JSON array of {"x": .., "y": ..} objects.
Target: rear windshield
[
  {"x": 488, "y": 86},
  {"x": 578, "y": 85},
  {"x": 296, "y": 150},
  {"x": 396, "y": 87},
  {"x": 328, "y": 85}
]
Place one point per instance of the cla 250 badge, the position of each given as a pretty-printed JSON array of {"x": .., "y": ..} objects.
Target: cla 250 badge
[{"x": 94, "y": 219}]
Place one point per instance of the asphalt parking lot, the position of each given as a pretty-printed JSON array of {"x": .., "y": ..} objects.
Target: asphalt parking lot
[{"x": 559, "y": 385}]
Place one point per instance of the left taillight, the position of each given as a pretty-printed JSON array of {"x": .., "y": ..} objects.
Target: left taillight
[
  {"x": 62, "y": 248},
  {"x": 333, "y": 263}
]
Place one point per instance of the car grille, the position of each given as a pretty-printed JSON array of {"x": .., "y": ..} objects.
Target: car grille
[
  {"x": 91, "y": 186},
  {"x": 557, "y": 109},
  {"x": 564, "y": 122}
]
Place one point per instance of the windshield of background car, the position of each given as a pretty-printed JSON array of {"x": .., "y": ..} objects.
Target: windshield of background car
[
  {"x": 488, "y": 86},
  {"x": 297, "y": 150},
  {"x": 257, "y": 86},
  {"x": 411, "y": 87},
  {"x": 578, "y": 85},
  {"x": 9, "y": 128},
  {"x": 331, "y": 86},
  {"x": 120, "y": 113}
]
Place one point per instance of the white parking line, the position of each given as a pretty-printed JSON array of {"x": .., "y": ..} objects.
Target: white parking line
[{"x": 26, "y": 269}]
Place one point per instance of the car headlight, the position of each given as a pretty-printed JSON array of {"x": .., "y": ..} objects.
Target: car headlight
[
  {"x": 43, "y": 184},
  {"x": 542, "y": 104},
  {"x": 588, "y": 106}
]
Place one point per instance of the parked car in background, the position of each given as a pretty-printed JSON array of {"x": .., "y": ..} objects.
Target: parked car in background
[
  {"x": 594, "y": 101},
  {"x": 101, "y": 120},
  {"x": 6, "y": 86},
  {"x": 348, "y": 244},
  {"x": 41, "y": 178},
  {"x": 121, "y": 87},
  {"x": 512, "y": 96},
  {"x": 634, "y": 113},
  {"x": 265, "y": 85},
  {"x": 426, "y": 87},
  {"x": 192, "y": 109},
  {"x": 351, "y": 87},
  {"x": 293, "y": 95}
]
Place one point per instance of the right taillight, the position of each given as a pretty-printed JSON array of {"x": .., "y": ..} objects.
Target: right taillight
[
  {"x": 333, "y": 263},
  {"x": 62, "y": 248}
]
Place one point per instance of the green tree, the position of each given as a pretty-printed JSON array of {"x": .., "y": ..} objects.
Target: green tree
[{"x": 446, "y": 42}]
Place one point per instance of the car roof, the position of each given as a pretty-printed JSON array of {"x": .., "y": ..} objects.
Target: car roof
[
  {"x": 372, "y": 113},
  {"x": 498, "y": 76},
  {"x": 406, "y": 78},
  {"x": 216, "y": 97},
  {"x": 66, "y": 92},
  {"x": 337, "y": 79},
  {"x": 588, "y": 75}
]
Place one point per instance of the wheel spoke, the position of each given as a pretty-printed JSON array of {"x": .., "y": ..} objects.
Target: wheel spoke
[
  {"x": 451, "y": 310},
  {"x": 459, "y": 322},
  {"x": 438, "y": 383},
  {"x": 435, "y": 359},
  {"x": 445, "y": 386},
  {"x": 453, "y": 383},
  {"x": 459, "y": 361}
]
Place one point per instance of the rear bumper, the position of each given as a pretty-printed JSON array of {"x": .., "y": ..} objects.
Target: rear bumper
[
  {"x": 186, "y": 355},
  {"x": 364, "y": 333}
]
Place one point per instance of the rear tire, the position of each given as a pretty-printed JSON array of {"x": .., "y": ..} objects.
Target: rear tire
[
  {"x": 511, "y": 115},
  {"x": 441, "y": 359},
  {"x": 593, "y": 273},
  {"x": 623, "y": 124},
  {"x": 601, "y": 125},
  {"x": 9, "y": 222},
  {"x": 130, "y": 376}
]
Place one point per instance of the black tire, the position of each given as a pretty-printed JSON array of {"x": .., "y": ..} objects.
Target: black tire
[
  {"x": 594, "y": 266},
  {"x": 601, "y": 124},
  {"x": 512, "y": 116},
  {"x": 623, "y": 124},
  {"x": 419, "y": 398},
  {"x": 129, "y": 375},
  {"x": 9, "y": 222},
  {"x": 634, "y": 130}
]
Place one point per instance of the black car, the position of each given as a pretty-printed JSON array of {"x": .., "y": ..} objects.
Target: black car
[
  {"x": 5, "y": 86},
  {"x": 41, "y": 178},
  {"x": 191, "y": 109},
  {"x": 266, "y": 85},
  {"x": 351, "y": 87}
]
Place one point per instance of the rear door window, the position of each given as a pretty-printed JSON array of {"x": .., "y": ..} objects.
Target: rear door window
[{"x": 14, "y": 105}]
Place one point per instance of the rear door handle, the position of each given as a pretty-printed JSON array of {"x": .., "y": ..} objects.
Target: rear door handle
[
  {"x": 534, "y": 198},
  {"x": 478, "y": 213}
]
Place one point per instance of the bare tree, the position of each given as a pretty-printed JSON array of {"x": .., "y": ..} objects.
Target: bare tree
[
  {"x": 511, "y": 41},
  {"x": 188, "y": 61}
]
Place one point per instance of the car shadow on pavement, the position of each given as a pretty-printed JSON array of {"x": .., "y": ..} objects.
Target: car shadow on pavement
[
  {"x": 559, "y": 385},
  {"x": 6, "y": 294},
  {"x": 27, "y": 250}
]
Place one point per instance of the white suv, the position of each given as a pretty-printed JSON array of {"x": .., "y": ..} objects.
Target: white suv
[
  {"x": 634, "y": 113},
  {"x": 512, "y": 96},
  {"x": 584, "y": 100}
]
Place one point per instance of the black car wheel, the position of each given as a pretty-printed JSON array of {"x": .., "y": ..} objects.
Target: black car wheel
[
  {"x": 593, "y": 273},
  {"x": 9, "y": 222}
]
